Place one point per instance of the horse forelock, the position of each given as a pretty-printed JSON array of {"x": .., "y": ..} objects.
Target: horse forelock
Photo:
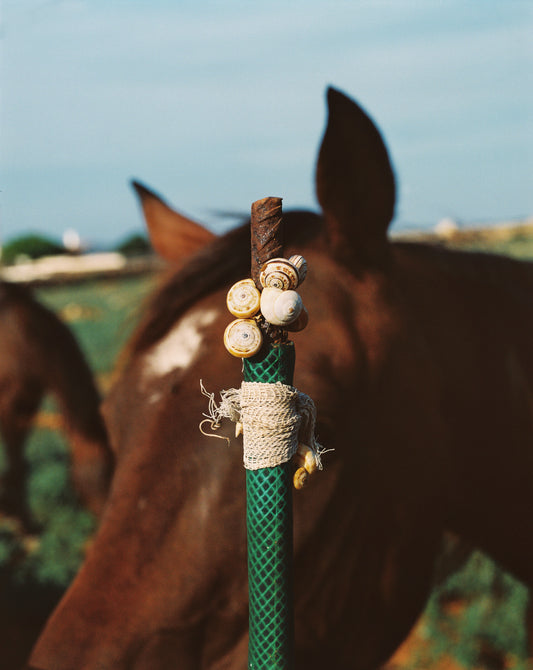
[{"x": 225, "y": 260}]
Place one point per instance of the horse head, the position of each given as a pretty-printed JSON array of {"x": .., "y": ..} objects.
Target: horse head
[{"x": 164, "y": 583}]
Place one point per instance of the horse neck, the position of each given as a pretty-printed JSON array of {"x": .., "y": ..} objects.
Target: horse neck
[
  {"x": 65, "y": 373},
  {"x": 475, "y": 316}
]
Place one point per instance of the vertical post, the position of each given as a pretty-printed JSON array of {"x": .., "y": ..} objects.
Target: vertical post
[{"x": 269, "y": 490}]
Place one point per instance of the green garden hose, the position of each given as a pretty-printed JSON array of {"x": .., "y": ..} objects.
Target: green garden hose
[{"x": 269, "y": 527}]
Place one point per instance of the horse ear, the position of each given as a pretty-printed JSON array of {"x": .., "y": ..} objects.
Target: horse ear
[
  {"x": 355, "y": 184},
  {"x": 172, "y": 234}
]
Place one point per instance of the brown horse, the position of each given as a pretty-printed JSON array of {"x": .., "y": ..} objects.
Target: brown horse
[
  {"x": 38, "y": 354},
  {"x": 420, "y": 363}
]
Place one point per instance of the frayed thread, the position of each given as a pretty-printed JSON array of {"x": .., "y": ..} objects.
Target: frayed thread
[{"x": 275, "y": 419}]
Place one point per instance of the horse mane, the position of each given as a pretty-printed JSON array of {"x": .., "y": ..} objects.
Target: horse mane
[
  {"x": 227, "y": 259},
  {"x": 222, "y": 262}
]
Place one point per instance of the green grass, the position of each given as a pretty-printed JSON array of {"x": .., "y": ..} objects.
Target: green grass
[
  {"x": 36, "y": 569},
  {"x": 484, "y": 628},
  {"x": 101, "y": 314},
  {"x": 519, "y": 245}
]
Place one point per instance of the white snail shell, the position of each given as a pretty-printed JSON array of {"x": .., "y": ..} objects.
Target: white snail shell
[
  {"x": 242, "y": 338},
  {"x": 279, "y": 273},
  {"x": 300, "y": 323},
  {"x": 280, "y": 308},
  {"x": 243, "y": 299}
]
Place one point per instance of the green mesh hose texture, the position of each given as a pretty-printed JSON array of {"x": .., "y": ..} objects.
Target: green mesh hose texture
[
  {"x": 269, "y": 522},
  {"x": 269, "y": 527},
  {"x": 272, "y": 364}
]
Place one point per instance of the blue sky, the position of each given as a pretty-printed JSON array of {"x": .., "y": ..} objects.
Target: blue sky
[{"x": 95, "y": 92}]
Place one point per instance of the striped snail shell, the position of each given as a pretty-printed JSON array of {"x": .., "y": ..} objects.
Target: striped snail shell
[
  {"x": 242, "y": 338},
  {"x": 279, "y": 273},
  {"x": 280, "y": 308},
  {"x": 243, "y": 299},
  {"x": 300, "y": 264}
]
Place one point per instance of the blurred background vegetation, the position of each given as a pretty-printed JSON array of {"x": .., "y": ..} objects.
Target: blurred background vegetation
[
  {"x": 30, "y": 246},
  {"x": 474, "y": 618},
  {"x": 33, "y": 245}
]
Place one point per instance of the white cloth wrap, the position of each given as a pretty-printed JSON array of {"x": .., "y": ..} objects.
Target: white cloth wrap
[{"x": 275, "y": 418}]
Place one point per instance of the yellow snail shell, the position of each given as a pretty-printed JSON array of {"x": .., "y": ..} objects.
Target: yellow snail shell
[
  {"x": 279, "y": 273},
  {"x": 305, "y": 458},
  {"x": 243, "y": 299},
  {"x": 242, "y": 338},
  {"x": 300, "y": 478},
  {"x": 280, "y": 308}
]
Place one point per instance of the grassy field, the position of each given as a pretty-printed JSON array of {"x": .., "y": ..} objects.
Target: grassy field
[{"x": 473, "y": 619}]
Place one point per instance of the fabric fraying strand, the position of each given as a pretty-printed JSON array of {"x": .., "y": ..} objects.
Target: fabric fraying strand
[{"x": 275, "y": 418}]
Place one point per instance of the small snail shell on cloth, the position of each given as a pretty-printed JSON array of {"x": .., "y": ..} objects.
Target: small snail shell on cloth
[
  {"x": 300, "y": 478},
  {"x": 305, "y": 458},
  {"x": 282, "y": 273},
  {"x": 280, "y": 308},
  {"x": 242, "y": 338},
  {"x": 243, "y": 299}
]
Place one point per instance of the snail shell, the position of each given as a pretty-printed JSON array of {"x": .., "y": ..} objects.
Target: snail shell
[
  {"x": 243, "y": 299},
  {"x": 279, "y": 273},
  {"x": 242, "y": 338},
  {"x": 306, "y": 458},
  {"x": 300, "y": 264},
  {"x": 280, "y": 308},
  {"x": 300, "y": 323},
  {"x": 300, "y": 479}
]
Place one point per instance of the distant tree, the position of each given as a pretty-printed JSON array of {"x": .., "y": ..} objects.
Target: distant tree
[
  {"x": 134, "y": 245},
  {"x": 30, "y": 246}
]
